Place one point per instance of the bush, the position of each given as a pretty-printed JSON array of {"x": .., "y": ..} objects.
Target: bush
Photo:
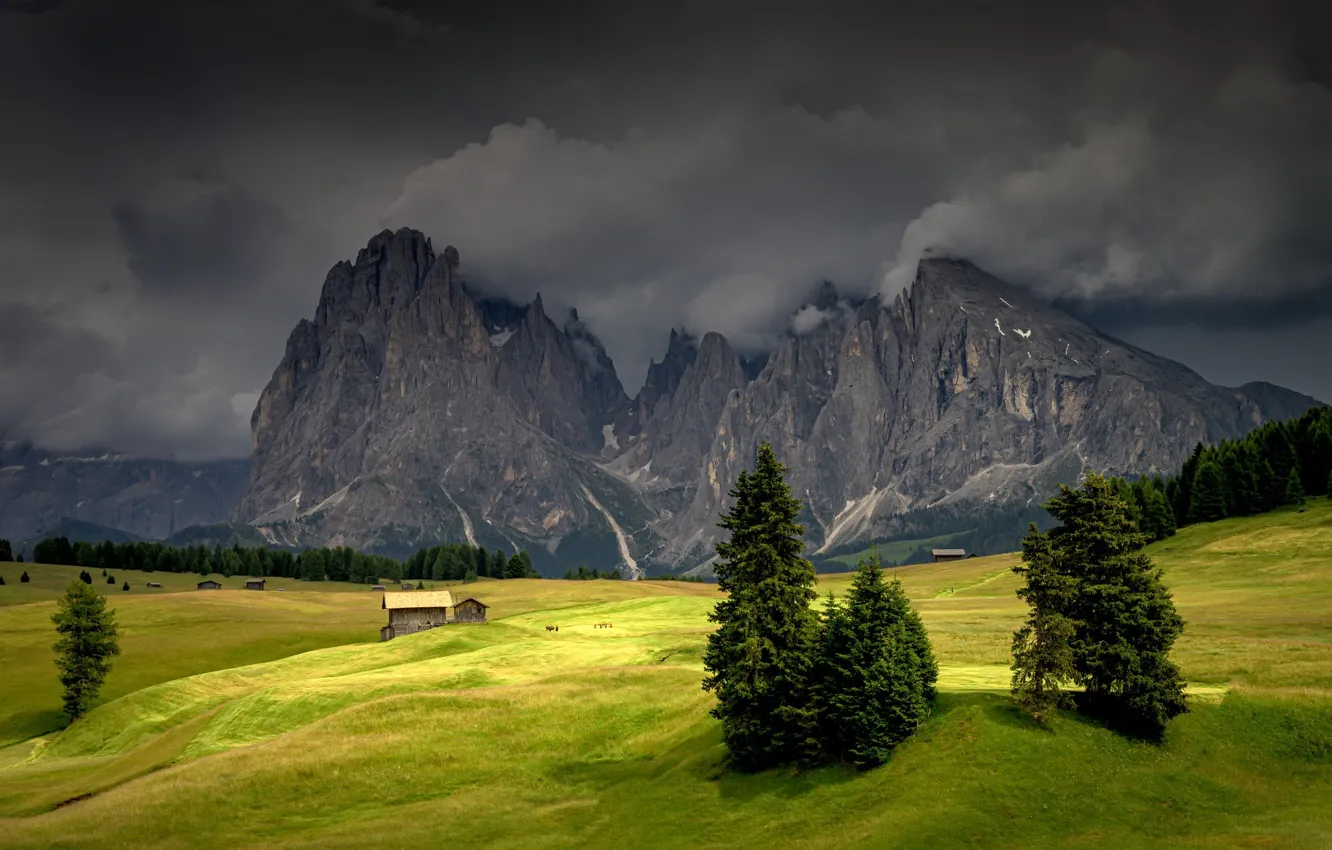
[
  {"x": 110, "y": 579},
  {"x": 23, "y": 579}
]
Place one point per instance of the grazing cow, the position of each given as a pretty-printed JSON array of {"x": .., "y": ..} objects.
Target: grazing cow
[{"x": 550, "y": 628}]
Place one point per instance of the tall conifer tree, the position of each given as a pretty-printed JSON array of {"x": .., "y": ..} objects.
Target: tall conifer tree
[
  {"x": 759, "y": 659},
  {"x": 1294, "y": 489},
  {"x": 1207, "y": 501},
  {"x": 1124, "y": 619},
  {"x": 1042, "y": 649}
]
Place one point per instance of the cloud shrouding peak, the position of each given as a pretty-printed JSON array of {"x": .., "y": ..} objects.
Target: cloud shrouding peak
[{"x": 173, "y": 205}]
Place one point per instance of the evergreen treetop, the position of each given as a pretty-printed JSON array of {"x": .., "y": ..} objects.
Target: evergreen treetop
[{"x": 759, "y": 659}]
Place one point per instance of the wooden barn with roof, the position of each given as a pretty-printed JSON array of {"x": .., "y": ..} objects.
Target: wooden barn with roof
[{"x": 419, "y": 610}]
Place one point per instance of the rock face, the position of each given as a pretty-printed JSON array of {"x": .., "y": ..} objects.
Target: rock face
[
  {"x": 412, "y": 411},
  {"x": 145, "y": 497},
  {"x": 415, "y": 409},
  {"x": 963, "y": 390}
]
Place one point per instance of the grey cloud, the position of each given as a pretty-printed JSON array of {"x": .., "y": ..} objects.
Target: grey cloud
[{"x": 217, "y": 238}]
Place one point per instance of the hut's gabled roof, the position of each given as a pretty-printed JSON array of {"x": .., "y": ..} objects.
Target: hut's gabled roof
[
  {"x": 945, "y": 552},
  {"x": 473, "y": 599},
  {"x": 419, "y": 599}
]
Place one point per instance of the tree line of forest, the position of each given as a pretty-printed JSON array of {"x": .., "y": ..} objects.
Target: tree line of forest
[
  {"x": 796, "y": 687},
  {"x": 439, "y": 563},
  {"x": 460, "y": 562},
  {"x": 1278, "y": 464},
  {"x": 585, "y": 573}
]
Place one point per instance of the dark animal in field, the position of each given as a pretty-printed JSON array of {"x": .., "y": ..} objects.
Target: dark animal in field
[{"x": 552, "y": 628}]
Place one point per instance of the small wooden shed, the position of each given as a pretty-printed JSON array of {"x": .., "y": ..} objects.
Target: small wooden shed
[
  {"x": 154, "y": 584},
  {"x": 377, "y": 587},
  {"x": 209, "y": 584},
  {"x": 470, "y": 610},
  {"x": 254, "y": 584},
  {"x": 948, "y": 554},
  {"x": 409, "y": 587}
]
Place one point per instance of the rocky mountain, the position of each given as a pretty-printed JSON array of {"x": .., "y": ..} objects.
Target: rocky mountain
[
  {"x": 414, "y": 410},
  {"x": 146, "y": 497},
  {"x": 415, "y": 407},
  {"x": 963, "y": 391}
]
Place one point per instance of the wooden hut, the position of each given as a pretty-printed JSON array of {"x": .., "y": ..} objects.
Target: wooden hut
[
  {"x": 154, "y": 584},
  {"x": 409, "y": 613},
  {"x": 209, "y": 584},
  {"x": 254, "y": 584},
  {"x": 409, "y": 587},
  {"x": 377, "y": 587},
  {"x": 470, "y": 610},
  {"x": 948, "y": 554}
]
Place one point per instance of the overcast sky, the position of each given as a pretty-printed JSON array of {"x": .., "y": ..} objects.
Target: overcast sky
[{"x": 176, "y": 178}]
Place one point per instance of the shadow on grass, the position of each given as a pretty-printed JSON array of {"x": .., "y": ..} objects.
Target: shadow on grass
[{"x": 23, "y": 725}]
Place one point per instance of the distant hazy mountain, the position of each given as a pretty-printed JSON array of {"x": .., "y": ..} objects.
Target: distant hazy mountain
[
  {"x": 146, "y": 497},
  {"x": 415, "y": 409}
]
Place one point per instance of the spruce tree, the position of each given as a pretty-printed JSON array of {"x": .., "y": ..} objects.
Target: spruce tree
[
  {"x": 88, "y": 639},
  {"x": 1294, "y": 489},
  {"x": 23, "y": 579},
  {"x": 1124, "y": 619},
  {"x": 2, "y": 580},
  {"x": 515, "y": 568},
  {"x": 125, "y": 586},
  {"x": 6, "y": 550},
  {"x": 759, "y": 659},
  {"x": 1157, "y": 513},
  {"x": 876, "y": 672},
  {"x": 1207, "y": 501},
  {"x": 1042, "y": 649},
  {"x": 1184, "y": 491}
]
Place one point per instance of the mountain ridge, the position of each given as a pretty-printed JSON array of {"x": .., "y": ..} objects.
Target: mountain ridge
[{"x": 419, "y": 406}]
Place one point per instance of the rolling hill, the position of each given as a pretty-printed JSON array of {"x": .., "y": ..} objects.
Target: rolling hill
[{"x": 220, "y": 729}]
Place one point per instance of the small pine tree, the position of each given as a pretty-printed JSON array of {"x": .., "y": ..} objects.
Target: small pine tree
[
  {"x": 85, "y": 577},
  {"x": 876, "y": 672},
  {"x": 2, "y": 581},
  {"x": 759, "y": 659},
  {"x": 23, "y": 579},
  {"x": 103, "y": 573},
  {"x": 6, "y": 550},
  {"x": 125, "y": 586},
  {"x": 110, "y": 579},
  {"x": 1207, "y": 501},
  {"x": 88, "y": 639},
  {"x": 1294, "y": 489},
  {"x": 1042, "y": 649}
]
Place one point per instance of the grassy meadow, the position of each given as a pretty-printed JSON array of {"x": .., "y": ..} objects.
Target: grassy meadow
[{"x": 237, "y": 718}]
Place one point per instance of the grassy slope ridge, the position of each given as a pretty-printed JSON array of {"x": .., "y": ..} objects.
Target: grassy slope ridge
[{"x": 600, "y": 737}]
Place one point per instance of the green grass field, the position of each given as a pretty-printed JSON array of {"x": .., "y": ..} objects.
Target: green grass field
[{"x": 237, "y": 718}]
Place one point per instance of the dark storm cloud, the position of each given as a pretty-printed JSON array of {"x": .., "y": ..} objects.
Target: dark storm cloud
[
  {"x": 185, "y": 173},
  {"x": 218, "y": 238}
]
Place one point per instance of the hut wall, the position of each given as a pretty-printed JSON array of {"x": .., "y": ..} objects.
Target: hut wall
[
  {"x": 469, "y": 612},
  {"x": 408, "y": 617}
]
